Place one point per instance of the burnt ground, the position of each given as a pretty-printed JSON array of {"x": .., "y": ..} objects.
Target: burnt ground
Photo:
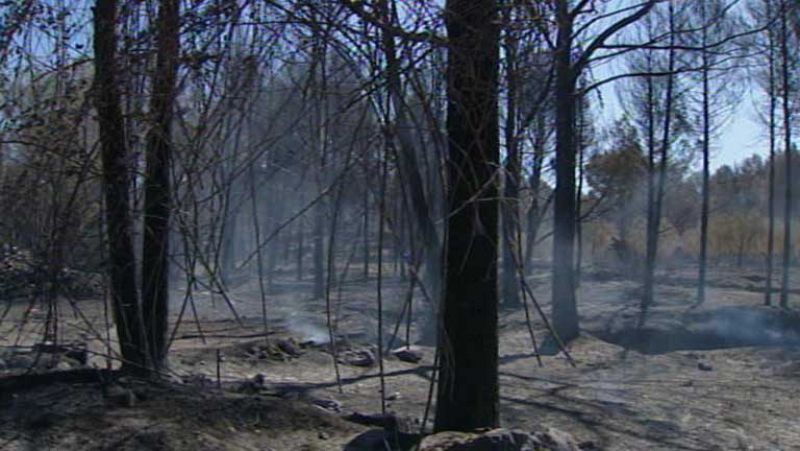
[{"x": 718, "y": 376}]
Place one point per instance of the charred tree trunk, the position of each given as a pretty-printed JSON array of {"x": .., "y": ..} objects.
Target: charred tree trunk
[
  {"x": 787, "y": 136},
  {"x": 319, "y": 251},
  {"x": 157, "y": 189},
  {"x": 116, "y": 185},
  {"x": 468, "y": 395},
  {"x": 301, "y": 225},
  {"x": 654, "y": 219},
  {"x": 365, "y": 231},
  {"x": 581, "y": 148},
  {"x": 510, "y": 285},
  {"x": 565, "y": 311},
  {"x": 773, "y": 105},
  {"x": 704, "y": 211},
  {"x": 535, "y": 211},
  {"x": 320, "y": 143}
]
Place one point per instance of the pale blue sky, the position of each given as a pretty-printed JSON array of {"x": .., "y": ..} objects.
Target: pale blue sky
[
  {"x": 742, "y": 137},
  {"x": 742, "y": 134}
]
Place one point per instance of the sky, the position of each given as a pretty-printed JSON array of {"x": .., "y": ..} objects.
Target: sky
[
  {"x": 742, "y": 137},
  {"x": 743, "y": 133}
]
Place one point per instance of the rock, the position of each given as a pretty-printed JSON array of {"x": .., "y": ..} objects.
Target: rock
[
  {"x": 557, "y": 440},
  {"x": 323, "y": 435},
  {"x": 389, "y": 422},
  {"x": 120, "y": 396},
  {"x": 289, "y": 347},
  {"x": 500, "y": 439},
  {"x": 20, "y": 362},
  {"x": 393, "y": 397},
  {"x": 197, "y": 379},
  {"x": 259, "y": 379},
  {"x": 381, "y": 440},
  {"x": 702, "y": 366},
  {"x": 408, "y": 354},
  {"x": 63, "y": 365},
  {"x": 372, "y": 440},
  {"x": 363, "y": 358},
  {"x": 328, "y": 404},
  {"x": 252, "y": 385},
  {"x": 42, "y": 420}
]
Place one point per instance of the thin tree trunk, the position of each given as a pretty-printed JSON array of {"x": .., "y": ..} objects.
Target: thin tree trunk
[
  {"x": 654, "y": 222},
  {"x": 510, "y": 285},
  {"x": 579, "y": 117},
  {"x": 409, "y": 168},
  {"x": 300, "y": 246},
  {"x": 468, "y": 394},
  {"x": 320, "y": 144},
  {"x": 773, "y": 104},
  {"x": 787, "y": 131},
  {"x": 366, "y": 232},
  {"x": 319, "y": 251},
  {"x": 262, "y": 288},
  {"x": 704, "y": 211},
  {"x": 535, "y": 212}
]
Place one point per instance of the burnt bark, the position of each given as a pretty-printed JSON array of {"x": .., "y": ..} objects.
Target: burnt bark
[
  {"x": 704, "y": 210},
  {"x": 773, "y": 105},
  {"x": 787, "y": 139},
  {"x": 157, "y": 189},
  {"x": 654, "y": 218},
  {"x": 468, "y": 393},
  {"x": 565, "y": 311},
  {"x": 511, "y": 259},
  {"x": 116, "y": 184}
]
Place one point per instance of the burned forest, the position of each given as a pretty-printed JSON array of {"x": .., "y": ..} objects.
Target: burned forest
[{"x": 432, "y": 225}]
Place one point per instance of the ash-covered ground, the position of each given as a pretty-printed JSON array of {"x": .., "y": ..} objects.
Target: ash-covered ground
[{"x": 721, "y": 375}]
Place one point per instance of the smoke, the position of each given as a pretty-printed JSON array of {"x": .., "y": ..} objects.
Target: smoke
[
  {"x": 754, "y": 327},
  {"x": 306, "y": 329},
  {"x": 727, "y": 327}
]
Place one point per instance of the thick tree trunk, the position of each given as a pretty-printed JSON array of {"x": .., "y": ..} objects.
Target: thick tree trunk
[
  {"x": 116, "y": 185},
  {"x": 468, "y": 394},
  {"x": 565, "y": 311}
]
